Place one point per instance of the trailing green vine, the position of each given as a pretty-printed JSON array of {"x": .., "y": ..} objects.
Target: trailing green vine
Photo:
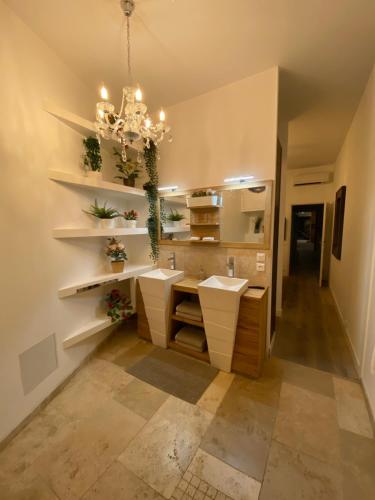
[{"x": 151, "y": 187}]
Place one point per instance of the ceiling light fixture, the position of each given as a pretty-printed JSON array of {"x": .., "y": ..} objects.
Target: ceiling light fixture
[
  {"x": 132, "y": 123},
  {"x": 239, "y": 179},
  {"x": 168, "y": 188}
]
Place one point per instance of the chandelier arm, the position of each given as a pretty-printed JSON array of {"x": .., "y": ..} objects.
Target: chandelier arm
[{"x": 128, "y": 47}]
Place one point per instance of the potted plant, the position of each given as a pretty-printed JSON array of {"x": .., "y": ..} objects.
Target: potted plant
[
  {"x": 116, "y": 251},
  {"x": 131, "y": 218},
  {"x": 174, "y": 218},
  {"x": 129, "y": 170},
  {"x": 119, "y": 306},
  {"x": 105, "y": 216},
  {"x": 207, "y": 198},
  {"x": 92, "y": 158}
]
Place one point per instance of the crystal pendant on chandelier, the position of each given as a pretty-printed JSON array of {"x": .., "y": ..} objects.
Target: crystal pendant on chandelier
[{"x": 132, "y": 123}]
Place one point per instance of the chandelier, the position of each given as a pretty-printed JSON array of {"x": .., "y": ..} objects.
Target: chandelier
[{"x": 132, "y": 123}]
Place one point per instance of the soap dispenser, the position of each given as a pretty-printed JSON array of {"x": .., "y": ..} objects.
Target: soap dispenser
[{"x": 230, "y": 266}]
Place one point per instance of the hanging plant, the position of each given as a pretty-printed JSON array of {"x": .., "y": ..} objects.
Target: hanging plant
[{"x": 151, "y": 187}]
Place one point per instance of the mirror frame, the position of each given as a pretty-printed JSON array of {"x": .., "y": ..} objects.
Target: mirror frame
[{"x": 228, "y": 187}]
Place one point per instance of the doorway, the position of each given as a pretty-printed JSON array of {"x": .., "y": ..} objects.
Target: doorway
[{"x": 306, "y": 239}]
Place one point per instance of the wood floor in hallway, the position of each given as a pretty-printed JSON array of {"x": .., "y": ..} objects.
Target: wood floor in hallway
[{"x": 310, "y": 331}]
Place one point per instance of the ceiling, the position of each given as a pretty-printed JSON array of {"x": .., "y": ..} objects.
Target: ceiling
[{"x": 183, "y": 48}]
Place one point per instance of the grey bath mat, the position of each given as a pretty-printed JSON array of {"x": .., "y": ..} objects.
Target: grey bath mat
[{"x": 175, "y": 374}]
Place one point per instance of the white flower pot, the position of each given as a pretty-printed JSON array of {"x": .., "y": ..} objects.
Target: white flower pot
[
  {"x": 106, "y": 223},
  {"x": 175, "y": 223},
  {"x": 94, "y": 174},
  {"x": 130, "y": 224}
]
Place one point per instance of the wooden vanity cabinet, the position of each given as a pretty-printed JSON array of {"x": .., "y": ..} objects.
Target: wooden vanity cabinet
[{"x": 250, "y": 342}]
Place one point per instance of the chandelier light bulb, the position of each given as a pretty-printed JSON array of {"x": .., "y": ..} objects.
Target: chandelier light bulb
[
  {"x": 162, "y": 116},
  {"x": 104, "y": 93},
  {"x": 147, "y": 123},
  {"x": 138, "y": 95}
]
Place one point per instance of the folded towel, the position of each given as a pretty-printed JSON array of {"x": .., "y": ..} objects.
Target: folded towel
[
  {"x": 192, "y": 337},
  {"x": 194, "y": 238},
  {"x": 189, "y": 316},
  {"x": 187, "y": 307},
  {"x": 208, "y": 238},
  {"x": 191, "y": 347}
]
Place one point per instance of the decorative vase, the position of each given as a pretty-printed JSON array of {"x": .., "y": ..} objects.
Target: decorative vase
[
  {"x": 131, "y": 224},
  {"x": 106, "y": 223},
  {"x": 117, "y": 266},
  {"x": 129, "y": 182},
  {"x": 94, "y": 174}
]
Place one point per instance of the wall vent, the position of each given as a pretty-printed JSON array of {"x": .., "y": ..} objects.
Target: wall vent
[
  {"x": 313, "y": 178},
  {"x": 37, "y": 362}
]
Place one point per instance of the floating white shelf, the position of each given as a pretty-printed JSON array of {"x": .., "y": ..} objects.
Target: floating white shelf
[
  {"x": 131, "y": 271},
  {"x": 81, "y": 125},
  {"x": 171, "y": 229},
  {"x": 92, "y": 232},
  {"x": 92, "y": 183},
  {"x": 88, "y": 330}
]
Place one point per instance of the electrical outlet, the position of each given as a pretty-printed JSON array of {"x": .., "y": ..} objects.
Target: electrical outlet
[
  {"x": 261, "y": 267},
  {"x": 261, "y": 257}
]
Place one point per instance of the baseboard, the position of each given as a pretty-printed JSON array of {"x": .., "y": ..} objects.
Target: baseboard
[
  {"x": 4, "y": 442},
  {"x": 349, "y": 340}
]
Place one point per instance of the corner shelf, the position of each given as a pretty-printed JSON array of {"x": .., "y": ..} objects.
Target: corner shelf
[
  {"x": 88, "y": 232},
  {"x": 87, "y": 331},
  {"x": 131, "y": 271},
  {"x": 171, "y": 229},
  {"x": 92, "y": 183},
  {"x": 81, "y": 125}
]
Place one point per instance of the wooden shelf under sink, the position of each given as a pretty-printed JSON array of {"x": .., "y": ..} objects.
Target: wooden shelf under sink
[
  {"x": 176, "y": 317},
  {"x": 202, "y": 356}
]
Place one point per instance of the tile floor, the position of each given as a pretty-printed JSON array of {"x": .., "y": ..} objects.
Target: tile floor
[{"x": 296, "y": 433}]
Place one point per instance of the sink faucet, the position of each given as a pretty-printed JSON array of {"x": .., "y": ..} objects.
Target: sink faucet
[
  {"x": 230, "y": 266},
  {"x": 172, "y": 261}
]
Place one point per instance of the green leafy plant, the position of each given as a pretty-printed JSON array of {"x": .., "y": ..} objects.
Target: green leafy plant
[
  {"x": 129, "y": 170},
  {"x": 175, "y": 216},
  {"x": 208, "y": 192},
  {"x": 151, "y": 187},
  {"x": 131, "y": 215},
  {"x": 102, "y": 212},
  {"x": 116, "y": 250},
  {"x": 92, "y": 158},
  {"x": 119, "y": 306}
]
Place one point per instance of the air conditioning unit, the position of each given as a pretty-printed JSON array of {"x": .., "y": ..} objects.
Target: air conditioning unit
[{"x": 313, "y": 178}]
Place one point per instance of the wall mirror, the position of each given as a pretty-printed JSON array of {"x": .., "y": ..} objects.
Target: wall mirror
[{"x": 228, "y": 216}]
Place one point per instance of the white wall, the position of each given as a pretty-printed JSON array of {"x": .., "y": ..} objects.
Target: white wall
[
  {"x": 33, "y": 264},
  {"x": 303, "y": 195},
  {"x": 224, "y": 133},
  {"x": 352, "y": 278}
]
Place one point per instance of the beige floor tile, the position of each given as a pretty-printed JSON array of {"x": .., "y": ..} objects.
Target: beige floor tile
[
  {"x": 358, "y": 459},
  {"x": 76, "y": 461},
  {"x": 307, "y": 422},
  {"x": 308, "y": 378},
  {"x": 117, "y": 483},
  {"x": 32, "y": 488},
  {"x": 223, "y": 477},
  {"x": 351, "y": 407},
  {"x": 215, "y": 392},
  {"x": 292, "y": 475},
  {"x": 131, "y": 356},
  {"x": 162, "y": 451},
  {"x": 120, "y": 341},
  {"x": 142, "y": 398}
]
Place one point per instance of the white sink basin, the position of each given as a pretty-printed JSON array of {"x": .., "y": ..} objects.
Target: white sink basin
[
  {"x": 220, "y": 301},
  {"x": 236, "y": 285},
  {"x": 156, "y": 292}
]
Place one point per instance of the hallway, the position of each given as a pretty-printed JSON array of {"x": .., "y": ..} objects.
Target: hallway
[{"x": 310, "y": 331}]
